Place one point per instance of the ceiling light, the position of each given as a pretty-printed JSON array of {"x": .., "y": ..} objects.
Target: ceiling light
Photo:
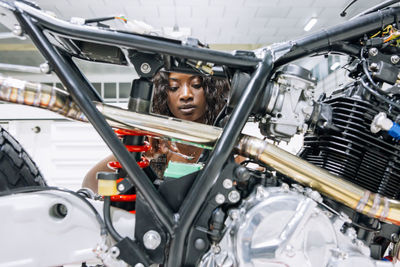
[
  {"x": 310, "y": 24},
  {"x": 335, "y": 66}
]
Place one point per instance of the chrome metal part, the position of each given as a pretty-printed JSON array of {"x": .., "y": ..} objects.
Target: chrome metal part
[
  {"x": 45, "y": 68},
  {"x": 121, "y": 187},
  {"x": 290, "y": 104},
  {"x": 114, "y": 252},
  {"x": 167, "y": 127},
  {"x": 234, "y": 196},
  {"x": 39, "y": 95},
  {"x": 145, "y": 67},
  {"x": 227, "y": 183},
  {"x": 373, "y": 51},
  {"x": 17, "y": 30},
  {"x": 395, "y": 59},
  {"x": 220, "y": 198},
  {"x": 318, "y": 179},
  {"x": 151, "y": 239},
  {"x": 279, "y": 227}
]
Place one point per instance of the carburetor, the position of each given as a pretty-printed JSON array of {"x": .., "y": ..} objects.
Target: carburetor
[{"x": 289, "y": 103}]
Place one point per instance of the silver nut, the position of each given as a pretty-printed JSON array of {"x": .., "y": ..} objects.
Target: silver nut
[
  {"x": 44, "y": 68},
  {"x": 151, "y": 240},
  {"x": 395, "y": 59},
  {"x": 374, "y": 66},
  {"x": 227, "y": 183},
  {"x": 121, "y": 187},
  {"x": 234, "y": 214},
  {"x": 145, "y": 67},
  {"x": 373, "y": 51},
  {"x": 114, "y": 252},
  {"x": 17, "y": 30},
  {"x": 216, "y": 249},
  {"x": 220, "y": 198},
  {"x": 234, "y": 196}
]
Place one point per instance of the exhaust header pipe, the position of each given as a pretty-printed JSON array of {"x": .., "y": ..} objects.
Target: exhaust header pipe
[{"x": 353, "y": 196}]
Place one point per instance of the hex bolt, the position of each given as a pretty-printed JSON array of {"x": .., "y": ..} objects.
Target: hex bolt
[
  {"x": 17, "y": 30},
  {"x": 44, "y": 68},
  {"x": 373, "y": 51},
  {"x": 374, "y": 66},
  {"x": 114, "y": 252},
  {"x": 227, "y": 183},
  {"x": 151, "y": 240},
  {"x": 220, "y": 198},
  {"x": 395, "y": 59},
  {"x": 234, "y": 196},
  {"x": 145, "y": 67},
  {"x": 234, "y": 214},
  {"x": 121, "y": 187}
]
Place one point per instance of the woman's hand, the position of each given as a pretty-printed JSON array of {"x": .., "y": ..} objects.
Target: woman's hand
[{"x": 158, "y": 147}]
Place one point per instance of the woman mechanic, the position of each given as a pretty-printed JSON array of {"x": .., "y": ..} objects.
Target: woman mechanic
[{"x": 185, "y": 96}]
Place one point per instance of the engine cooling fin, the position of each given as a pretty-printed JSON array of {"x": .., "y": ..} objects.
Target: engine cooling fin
[{"x": 369, "y": 160}]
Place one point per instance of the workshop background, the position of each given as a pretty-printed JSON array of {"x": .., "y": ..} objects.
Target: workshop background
[{"x": 66, "y": 150}]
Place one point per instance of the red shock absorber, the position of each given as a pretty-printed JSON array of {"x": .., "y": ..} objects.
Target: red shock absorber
[{"x": 143, "y": 163}]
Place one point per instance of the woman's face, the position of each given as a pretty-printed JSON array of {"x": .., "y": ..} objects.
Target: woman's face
[{"x": 186, "y": 99}]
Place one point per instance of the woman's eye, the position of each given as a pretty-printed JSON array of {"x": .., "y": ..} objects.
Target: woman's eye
[
  {"x": 197, "y": 85},
  {"x": 173, "y": 88}
]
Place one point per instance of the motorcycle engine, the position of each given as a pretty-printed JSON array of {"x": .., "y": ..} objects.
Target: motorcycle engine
[{"x": 283, "y": 226}]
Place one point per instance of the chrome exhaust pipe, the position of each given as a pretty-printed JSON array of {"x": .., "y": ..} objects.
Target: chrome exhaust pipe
[
  {"x": 353, "y": 196},
  {"x": 307, "y": 174}
]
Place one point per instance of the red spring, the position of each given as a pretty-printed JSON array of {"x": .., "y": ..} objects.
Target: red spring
[{"x": 143, "y": 163}]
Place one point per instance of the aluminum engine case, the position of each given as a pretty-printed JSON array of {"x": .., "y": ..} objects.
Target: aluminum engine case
[{"x": 281, "y": 227}]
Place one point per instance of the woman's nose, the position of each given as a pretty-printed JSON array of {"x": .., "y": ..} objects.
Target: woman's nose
[{"x": 186, "y": 93}]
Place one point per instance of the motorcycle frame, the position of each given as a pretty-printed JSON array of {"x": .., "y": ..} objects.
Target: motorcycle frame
[{"x": 334, "y": 39}]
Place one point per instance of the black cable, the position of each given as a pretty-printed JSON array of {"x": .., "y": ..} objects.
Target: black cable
[
  {"x": 373, "y": 83},
  {"x": 366, "y": 228},
  {"x": 220, "y": 115},
  {"x": 30, "y": 189},
  {"x": 343, "y": 13},
  {"x": 107, "y": 219},
  {"x": 376, "y": 94}
]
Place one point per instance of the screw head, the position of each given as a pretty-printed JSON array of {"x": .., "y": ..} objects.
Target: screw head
[
  {"x": 151, "y": 240},
  {"x": 373, "y": 51},
  {"x": 220, "y": 198},
  {"x": 234, "y": 196},
  {"x": 139, "y": 265},
  {"x": 395, "y": 59},
  {"x": 121, "y": 187},
  {"x": 145, "y": 67},
  {"x": 227, "y": 183}
]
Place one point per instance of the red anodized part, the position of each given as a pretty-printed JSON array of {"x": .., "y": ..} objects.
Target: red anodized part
[{"x": 143, "y": 163}]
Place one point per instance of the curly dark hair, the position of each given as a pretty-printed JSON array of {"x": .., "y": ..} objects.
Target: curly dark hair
[{"x": 215, "y": 90}]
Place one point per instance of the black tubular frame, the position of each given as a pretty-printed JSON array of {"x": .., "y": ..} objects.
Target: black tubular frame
[{"x": 178, "y": 225}]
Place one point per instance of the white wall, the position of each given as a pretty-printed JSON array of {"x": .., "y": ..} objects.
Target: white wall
[{"x": 63, "y": 150}]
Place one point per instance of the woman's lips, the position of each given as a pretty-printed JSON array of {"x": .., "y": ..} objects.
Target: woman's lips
[{"x": 187, "y": 110}]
